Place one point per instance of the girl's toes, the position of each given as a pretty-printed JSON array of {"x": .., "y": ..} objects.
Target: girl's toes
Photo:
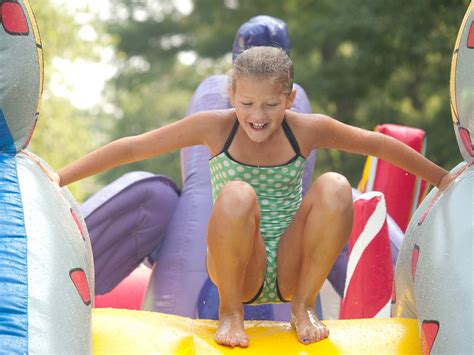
[
  {"x": 305, "y": 338},
  {"x": 220, "y": 340},
  {"x": 244, "y": 342},
  {"x": 323, "y": 331},
  {"x": 315, "y": 335},
  {"x": 233, "y": 341}
]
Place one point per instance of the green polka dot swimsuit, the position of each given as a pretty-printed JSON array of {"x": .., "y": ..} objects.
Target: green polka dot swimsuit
[{"x": 279, "y": 192}]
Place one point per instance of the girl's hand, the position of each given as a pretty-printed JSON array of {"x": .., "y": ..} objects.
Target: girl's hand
[
  {"x": 446, "y": 181},
  {"x": 52, "y": 175}
]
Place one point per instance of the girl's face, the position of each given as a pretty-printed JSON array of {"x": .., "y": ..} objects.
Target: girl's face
[{"x": 260, "y": 106}]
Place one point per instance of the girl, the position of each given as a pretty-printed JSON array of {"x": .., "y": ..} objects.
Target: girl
[{"x": 265, "y": 242}]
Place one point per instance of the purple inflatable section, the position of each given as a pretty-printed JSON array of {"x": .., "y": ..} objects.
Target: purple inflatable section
[
  {"x": 126, "y": 220},
  {"x": 261, "y": 31}
]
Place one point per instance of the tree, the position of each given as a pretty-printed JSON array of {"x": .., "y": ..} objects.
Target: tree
[{"x": 63, "y": 132}]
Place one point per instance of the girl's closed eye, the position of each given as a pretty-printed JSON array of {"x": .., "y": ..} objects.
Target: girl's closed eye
[{"x": 246, "y": 103}]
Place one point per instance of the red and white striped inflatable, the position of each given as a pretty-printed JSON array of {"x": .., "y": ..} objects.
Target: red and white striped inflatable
[{"x": 369, "y": 277}]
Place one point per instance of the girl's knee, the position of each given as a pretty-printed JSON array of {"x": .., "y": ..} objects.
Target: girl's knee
[
  {"x": 237, "y": 198},
  {"x": 333, "y": 193}
]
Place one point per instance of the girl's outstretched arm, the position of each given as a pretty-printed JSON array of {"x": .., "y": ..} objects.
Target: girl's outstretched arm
[
  {"x": 334, "y": 134},
  {"x": 189, "y": 131}
]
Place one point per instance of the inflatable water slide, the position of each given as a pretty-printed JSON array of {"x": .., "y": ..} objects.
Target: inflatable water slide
[{"x": 140, "y": 242}]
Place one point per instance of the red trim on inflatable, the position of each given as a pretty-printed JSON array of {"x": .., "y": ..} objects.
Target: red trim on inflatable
[
  {"x": 414, "y": 260},
  {"x": 470, "y": 37},
  {"x": 13, "y": 18},
  {"x": 429, "y": 331},
  {"x": 79, "y": 278},
  {"x": 78, "y": 224},
  {"x": 432, "y": 203},
  {"x": 466, "y": 140}
]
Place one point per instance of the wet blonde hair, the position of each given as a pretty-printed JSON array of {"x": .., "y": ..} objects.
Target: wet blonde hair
[{"x": 262, "y": 62}]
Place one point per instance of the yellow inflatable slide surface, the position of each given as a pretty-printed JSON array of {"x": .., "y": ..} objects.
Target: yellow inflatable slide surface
[{"x": 138, "y": 332}]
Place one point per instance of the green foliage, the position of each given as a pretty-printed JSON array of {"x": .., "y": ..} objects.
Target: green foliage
[
  {"x": 149, "y": 107},
  {"x": 63, "y": 132},
  {"x": 363, "y": 62}
]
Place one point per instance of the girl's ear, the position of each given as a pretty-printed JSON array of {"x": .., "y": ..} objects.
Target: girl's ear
[{"x": 291, "y": 99}]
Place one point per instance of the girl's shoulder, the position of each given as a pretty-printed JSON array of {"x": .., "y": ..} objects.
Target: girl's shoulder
[
  {"x": 216, "y": 117},
  {"x": 307, "y": 128},
  {"x": 216, "y": 126},
  {"x": 211, "y": 121},
  {"x": 305, "y": 120},
  {"x": 218, "y": 122}
]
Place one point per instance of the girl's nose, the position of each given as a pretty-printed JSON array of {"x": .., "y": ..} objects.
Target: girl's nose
[{"x": 258, "y": 113}]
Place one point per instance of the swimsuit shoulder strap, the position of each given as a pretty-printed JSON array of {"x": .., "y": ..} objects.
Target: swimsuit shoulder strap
[
  {"x": 230, "y": 138},
  {"x": 291, "y": 137}
]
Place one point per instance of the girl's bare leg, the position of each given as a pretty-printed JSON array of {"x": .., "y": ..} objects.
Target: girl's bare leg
[
  {"x": 309, "y": 248},
  {"x": 236, "y": 258}
]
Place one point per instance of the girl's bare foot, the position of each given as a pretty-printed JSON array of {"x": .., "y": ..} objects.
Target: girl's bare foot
[
  {"x": 309, "y": 328},
  {"x": 231, "y": 331}
]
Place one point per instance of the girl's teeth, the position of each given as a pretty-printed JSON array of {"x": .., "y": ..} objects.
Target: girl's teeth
[{"x": 258, "y": 125}]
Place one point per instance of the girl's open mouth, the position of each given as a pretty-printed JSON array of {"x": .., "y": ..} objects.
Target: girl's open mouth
[{"x": 258, "y": 125}]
